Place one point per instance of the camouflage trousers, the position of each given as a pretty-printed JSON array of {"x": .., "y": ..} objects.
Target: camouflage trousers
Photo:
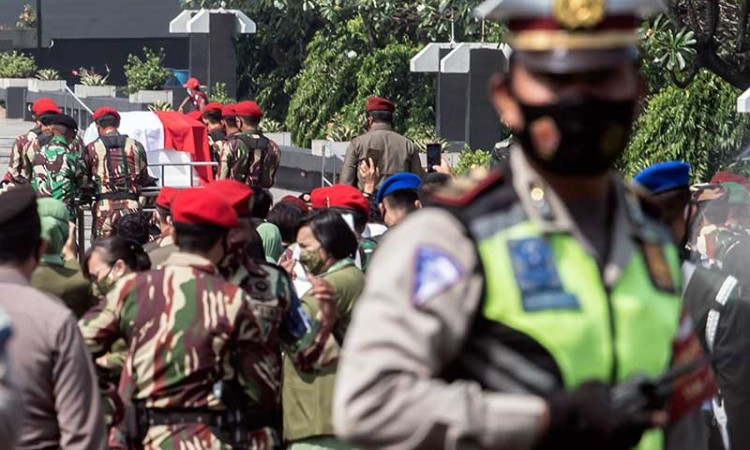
[{"x": 106, "y": 214}]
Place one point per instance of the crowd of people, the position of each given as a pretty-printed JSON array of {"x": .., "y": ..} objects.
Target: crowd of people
[{"x": 545, "y": 304}]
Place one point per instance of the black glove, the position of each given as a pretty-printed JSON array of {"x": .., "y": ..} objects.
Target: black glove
[{"x": 585, "y": 419}]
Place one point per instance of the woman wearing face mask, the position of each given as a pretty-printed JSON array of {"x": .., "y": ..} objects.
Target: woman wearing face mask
[
  {"x": 105, "y": 263},
  {"x": 327, "y": 247},
  {"x": 110, "y": 259}
]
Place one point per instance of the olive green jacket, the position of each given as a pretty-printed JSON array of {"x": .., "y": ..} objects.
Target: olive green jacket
[
  {"x": 64, "y": 281},
  {"x": 308, "y": 396}
]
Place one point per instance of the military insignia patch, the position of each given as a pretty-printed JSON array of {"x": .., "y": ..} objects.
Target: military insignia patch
[
  {"x": 537, "y": 276},
  {"x": 435, "y": 271},
  {"x": 658, "y": 268}
]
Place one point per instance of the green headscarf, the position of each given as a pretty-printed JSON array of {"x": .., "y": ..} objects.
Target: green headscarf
[
  {"x": 738, "y": 195},
  {"x": 271, "y": 237},
  {"x": 55, "y": 221}
]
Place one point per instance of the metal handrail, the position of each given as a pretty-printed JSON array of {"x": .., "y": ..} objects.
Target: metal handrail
[
  {"x": 80, "y": 102},
  {"x": 190, "y": 164},
  {"x": 324, "y": 181},
  {"x": 150, "y": 191}
]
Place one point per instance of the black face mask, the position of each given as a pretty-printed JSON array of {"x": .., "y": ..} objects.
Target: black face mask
[{"x": 593, "y": 134}]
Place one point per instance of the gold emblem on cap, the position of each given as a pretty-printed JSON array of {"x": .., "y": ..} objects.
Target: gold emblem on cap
[{"x": 579, "y": 13}]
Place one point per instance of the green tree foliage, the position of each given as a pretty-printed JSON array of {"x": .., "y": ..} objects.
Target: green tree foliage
[
  {"x": 305, "y": 63},
  {"x": 147, "y": 73},
  {"x": 472, "y": 160},
  {"x": 16, "y": 65},
  {"x": 698, "y": 124},
  {"x": 327, "y": 83},
  {"x": 340, "y": 74}
]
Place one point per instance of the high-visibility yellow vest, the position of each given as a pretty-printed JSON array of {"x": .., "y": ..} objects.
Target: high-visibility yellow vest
[{"x": 550, "y": 289}]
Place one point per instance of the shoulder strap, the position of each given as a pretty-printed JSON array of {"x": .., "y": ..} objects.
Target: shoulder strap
[
  {"x": 117, "y": 142},
  {"x": 218, "y": 135},
  {"x": 259, "y": 144}
]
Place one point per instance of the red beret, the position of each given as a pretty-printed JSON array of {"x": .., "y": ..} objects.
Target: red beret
[
  {"x": 45, "y": 106},
  {"x": 237, "y": 194},
  {"x": 380, "y": 104},
  {"x": 195, "y": 115},
  {"x": 725, "y": 177},
  {"x": 229, "y": 110},
  {"x": 198, "y": 206},
  {"x": 213, "y": 106},
  {"x": 165, "y": 197},
  {"x": 296, "y": 201},
  {"x": 248, "y": 109},
  {"x": 106, "y": 111},
  {"x": 192, "y": 83},
  {"x": 339, "y": 196}
]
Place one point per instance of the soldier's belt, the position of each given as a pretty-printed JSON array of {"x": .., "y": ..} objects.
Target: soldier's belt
[
  {"x": 118, "y": 196},
  {"x": 156, "y": 417}
]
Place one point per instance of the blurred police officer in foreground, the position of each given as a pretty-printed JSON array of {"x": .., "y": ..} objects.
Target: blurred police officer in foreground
[
  {"x": 505, "y": 316},
  {"x": 47, "y": 353}
]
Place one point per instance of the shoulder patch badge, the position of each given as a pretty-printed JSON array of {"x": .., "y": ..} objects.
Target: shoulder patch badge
[{"x": 435, "y": 271}]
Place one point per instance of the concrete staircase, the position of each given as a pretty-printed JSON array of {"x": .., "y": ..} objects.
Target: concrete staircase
[{"x": 6, "y": 143}]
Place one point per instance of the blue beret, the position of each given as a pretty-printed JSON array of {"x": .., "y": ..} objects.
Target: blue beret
[
  {"x": 664, "y": 176},
  {"x": 398, "y": 182}
]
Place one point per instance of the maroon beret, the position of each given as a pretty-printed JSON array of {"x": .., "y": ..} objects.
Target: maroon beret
[
  {"x": 380, "y": 104},
  {"x": 237, "y": 194},
  {"x": 198, "y": 206}
]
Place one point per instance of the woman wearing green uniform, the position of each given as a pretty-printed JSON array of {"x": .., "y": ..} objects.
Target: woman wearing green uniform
[{"x": 327, "y": 247}]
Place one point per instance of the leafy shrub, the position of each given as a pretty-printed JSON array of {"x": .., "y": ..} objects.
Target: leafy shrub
[
  {"x": 470, "y": 160},
  {"x": 271, "y": 126},
  {"x": 160, "y": 106},
  {"x": 219, "y": 94},
  {"x": 145, "y": 74},
  {"x": 16, "y": 65},
  {"x": 90, "y": 77},
  {"x": 48, "y": 75}
]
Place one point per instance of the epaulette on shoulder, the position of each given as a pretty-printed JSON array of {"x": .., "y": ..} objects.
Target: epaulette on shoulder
[{"x": 463, "y": 191}]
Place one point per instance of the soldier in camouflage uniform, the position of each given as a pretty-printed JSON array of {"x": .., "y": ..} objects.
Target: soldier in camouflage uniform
[
  {"x": 190, "y": 335},
  {"x": 118, "y": 168},
  {"x": 216, "y": 135},
  {"x": 162, "y": 247},
  {"x": 42, "y": 109},
  {"x": 721, "y": 241},
  {"x": 284, "y": 323},
  {"x": 56, "y": 167},
  {"x": 249, "y": 156},
  {"x": 229, "y": 119}
]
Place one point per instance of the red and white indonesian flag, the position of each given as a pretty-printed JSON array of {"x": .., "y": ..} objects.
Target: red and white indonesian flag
[{"x": 170, "y": 138}]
